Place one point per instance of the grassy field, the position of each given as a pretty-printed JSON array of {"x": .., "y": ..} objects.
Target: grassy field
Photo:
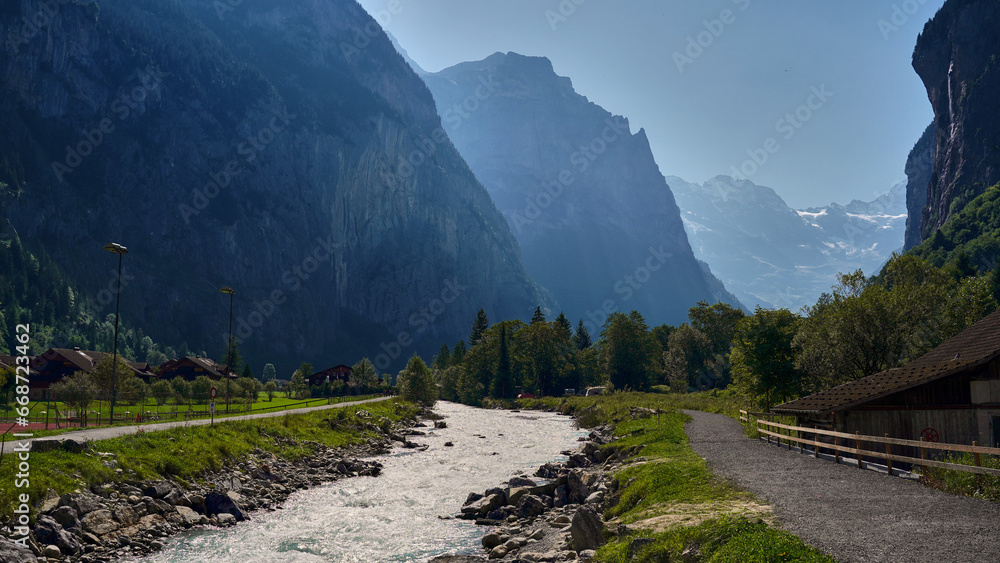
[
  {"x": 152, "y": 413},
  {"x": 185, "y": 453},
  {"x": 671, "y": 496}
]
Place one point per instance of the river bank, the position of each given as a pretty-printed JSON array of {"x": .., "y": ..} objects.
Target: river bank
[
  {"x": 642, "y": 495},
  {"x": 109, "y": 499}
]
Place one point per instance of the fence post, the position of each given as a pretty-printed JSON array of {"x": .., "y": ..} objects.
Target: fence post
[
  {"x": 836, "y": 451},
  {"x": 923, "y": 454},
  {"x": 768, "y": 435},
  {"x": 888, "y": 452},
  {"x": 979, "y": 476},
  {"x": 815, "y": 444},
  {"x": 788, "y": 441},
  {"x": 857, "y": 444}
]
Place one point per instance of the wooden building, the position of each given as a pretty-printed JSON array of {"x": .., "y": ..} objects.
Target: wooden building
[
  {"x": 191, "y": 367},
  {"x": 951, "y": 394},
  {"x": 56, "y": 363},
  {"x": 336, "y": 373}
]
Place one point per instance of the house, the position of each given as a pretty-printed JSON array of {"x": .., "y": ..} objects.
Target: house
[
  {"x": 56, "y": 363},
  {"x": 191, "y": 367},
  {"x": 336, "y": 373},
  {"x": 951, "y": 394}
]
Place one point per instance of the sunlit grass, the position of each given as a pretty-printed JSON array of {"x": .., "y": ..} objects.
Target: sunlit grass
[
  {"x": 665, "y": 472},
  {"x": 186, "y": 453}
]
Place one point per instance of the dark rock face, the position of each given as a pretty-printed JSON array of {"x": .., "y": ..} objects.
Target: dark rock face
[
  {"x": 594, "y": 216},
  {"x": 955, "y": 57},
  {"x": 919, "y": 166},
  {"x": 217, "y": 503},
  {"x": 253, "y": 150},
  {"x": 587, "y": 529}
]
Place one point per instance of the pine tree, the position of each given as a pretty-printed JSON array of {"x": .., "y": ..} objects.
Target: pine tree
[
  {"x": 458, "y": 354},
  {"x": 478, "y": 328},
  {"x": 443, "y": 359},
  {"x": 247, "y": 372},
  {"x": 503, "y": 384},
  {"x": 582, "y": 336},
  {"x": 564, "y": 327},
  {"x": 538, "y": 317}
]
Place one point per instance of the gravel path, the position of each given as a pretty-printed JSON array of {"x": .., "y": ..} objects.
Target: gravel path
[
  {"x": 116, "y": 431},
  {"x": 851, "y": 514}
]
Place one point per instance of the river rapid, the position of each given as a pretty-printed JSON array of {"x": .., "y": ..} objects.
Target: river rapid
[{"x": 394, "y": 517}]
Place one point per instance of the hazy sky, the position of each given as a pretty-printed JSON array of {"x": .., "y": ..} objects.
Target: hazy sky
[{"x": 705, "y": 106}]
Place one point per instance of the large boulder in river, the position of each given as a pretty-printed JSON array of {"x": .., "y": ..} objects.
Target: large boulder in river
[
  {"x": 216, "y": 503},
  {"x": 457, "y": 559},
  {"x": 485, "y": 505}
]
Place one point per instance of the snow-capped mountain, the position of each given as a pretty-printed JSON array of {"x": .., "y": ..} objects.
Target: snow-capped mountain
[{"x": 771, "y": 255}]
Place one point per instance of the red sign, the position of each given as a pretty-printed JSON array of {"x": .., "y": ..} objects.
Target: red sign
[{"x": 212, "y": 393}]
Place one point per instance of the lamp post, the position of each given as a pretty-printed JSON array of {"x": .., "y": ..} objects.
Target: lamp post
[
  {"x": 229, "y": 343},
  {"x": 115, "y": 248}
]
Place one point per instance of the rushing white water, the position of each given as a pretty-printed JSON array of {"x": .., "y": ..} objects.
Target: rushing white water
[{"x": 394, "y": 517}]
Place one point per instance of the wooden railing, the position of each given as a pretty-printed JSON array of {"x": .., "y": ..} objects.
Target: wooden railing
[{"x": 811, "y": 437}]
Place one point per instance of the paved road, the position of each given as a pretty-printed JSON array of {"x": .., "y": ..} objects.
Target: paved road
[
  {"x": 851, "y": 514},
  {"x": 116, "y": 431}
]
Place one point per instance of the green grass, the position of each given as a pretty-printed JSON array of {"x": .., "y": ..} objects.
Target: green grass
[
  {"x": 166, "y": 413},
  {"x": 673, "y": 476},
  {"x": 187, "y": 453},
  {"x": 962, "y": 482},
  {"x": 723, "y": 540}
]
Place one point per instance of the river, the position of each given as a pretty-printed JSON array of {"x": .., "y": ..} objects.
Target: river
[{"x": 394, "y": 517}]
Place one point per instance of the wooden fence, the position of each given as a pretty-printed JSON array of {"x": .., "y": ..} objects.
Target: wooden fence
[{"x": 788, "y": 434}]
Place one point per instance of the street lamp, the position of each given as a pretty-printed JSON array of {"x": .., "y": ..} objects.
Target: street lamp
[
  {"x": 229, "y": 343},
  {"x": 115, "y": 248}
]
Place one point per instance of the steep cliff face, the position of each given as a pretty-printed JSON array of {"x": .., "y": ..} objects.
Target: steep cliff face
[
  {"x": 956, "y": 56},
  {"x": 919, "y": 166},
  {"x": 281, "y": 148},
  {"x": 595, "y": 219}
]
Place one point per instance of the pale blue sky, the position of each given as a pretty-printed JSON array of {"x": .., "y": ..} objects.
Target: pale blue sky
[{"x": 758, "y": 66}]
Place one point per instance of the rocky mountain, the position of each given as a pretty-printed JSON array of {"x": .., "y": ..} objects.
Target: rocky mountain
[
  {"x": 771, "y": 255},
  {"x": 919, "y": 166},
  {"x": 956, "y": 58},
  {"x": 596, "y": 221},
  {"x": 281, "y": 147}
]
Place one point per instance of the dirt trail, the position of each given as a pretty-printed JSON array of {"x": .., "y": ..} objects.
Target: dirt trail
[{"x": 851, "y": 514}]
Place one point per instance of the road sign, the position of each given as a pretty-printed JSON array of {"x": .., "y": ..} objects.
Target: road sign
[
  {"x": 212, "y": 393},
  {"x": 211, "y": 407}
]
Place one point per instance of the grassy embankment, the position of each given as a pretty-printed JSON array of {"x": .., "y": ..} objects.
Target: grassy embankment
[
  {"x": 186, "y": 453},
  {"x": 672, "y": 497},
  {"x": 153, "y": 413}
]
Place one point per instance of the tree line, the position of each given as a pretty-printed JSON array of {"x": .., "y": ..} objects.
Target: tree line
[{"x": 864, "y": 325}]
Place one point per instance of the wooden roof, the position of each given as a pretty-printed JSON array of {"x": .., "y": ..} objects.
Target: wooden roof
[{"x": 974, "y": 346}]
